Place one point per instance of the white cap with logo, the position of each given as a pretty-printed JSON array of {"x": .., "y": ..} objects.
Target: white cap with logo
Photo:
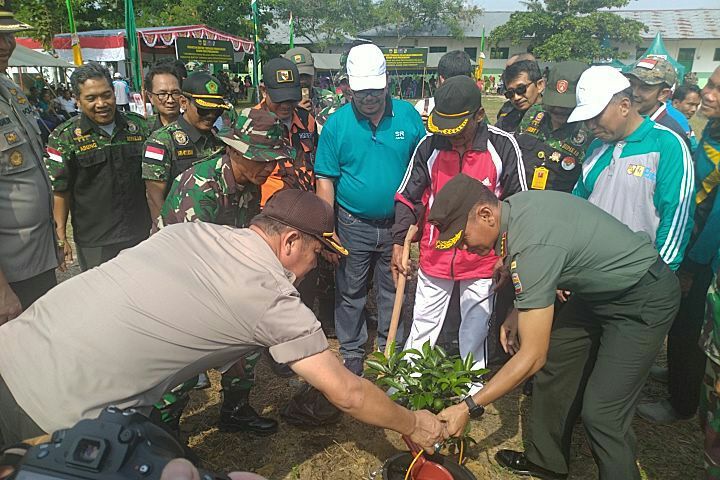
[
  {"x": 366, "y": 68},
  {"x": 595, "y": 89}
]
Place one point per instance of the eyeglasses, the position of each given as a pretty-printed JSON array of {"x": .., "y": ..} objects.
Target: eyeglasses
[
  {"x": 165, "y": 96},
  {"x": 520, "y": 90},
  {"x": 363, "y": 94}
]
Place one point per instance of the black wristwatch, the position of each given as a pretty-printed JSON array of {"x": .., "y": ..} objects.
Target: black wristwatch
[{"x": 475, "y": 410}]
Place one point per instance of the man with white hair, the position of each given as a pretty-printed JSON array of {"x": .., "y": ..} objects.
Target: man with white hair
[{"x": 363, "y": 153}]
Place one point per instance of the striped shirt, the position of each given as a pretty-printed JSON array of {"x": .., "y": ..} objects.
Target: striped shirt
[{"x": 647, "y": 182}]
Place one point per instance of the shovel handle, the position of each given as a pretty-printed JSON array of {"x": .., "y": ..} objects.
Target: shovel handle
[{"x": 400, "y": 290}]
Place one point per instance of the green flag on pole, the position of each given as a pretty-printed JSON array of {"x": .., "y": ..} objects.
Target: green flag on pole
[
  {"x": 292, "y": 31},
  {"x": 133, "y": 48},
  {"x": 256, "y": 50}
]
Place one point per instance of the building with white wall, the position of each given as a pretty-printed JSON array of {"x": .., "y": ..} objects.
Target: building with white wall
[{"x": 691, "y": 36}]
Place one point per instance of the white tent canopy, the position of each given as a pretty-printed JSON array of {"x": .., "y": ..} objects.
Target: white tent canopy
[{"x": 26, "y": 57}]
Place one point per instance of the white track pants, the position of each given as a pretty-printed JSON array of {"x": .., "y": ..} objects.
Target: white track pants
[{"x": 432, "y": 299}]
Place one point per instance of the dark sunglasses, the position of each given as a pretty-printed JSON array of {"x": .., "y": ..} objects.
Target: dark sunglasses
[
  {"x": 209, "y": 112},
  {"x": 363, "y": 94},
  {"x": 520, "y": 90}
]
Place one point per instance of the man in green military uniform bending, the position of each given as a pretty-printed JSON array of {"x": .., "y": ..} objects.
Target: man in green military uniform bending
[
  {"x": 175, "y": 147},
  {"x": 552, "y": 148},
  {"x": 94, "y": 161},
  {"x": 225, "y": 190},
  {"x": 593, "y": 359}
]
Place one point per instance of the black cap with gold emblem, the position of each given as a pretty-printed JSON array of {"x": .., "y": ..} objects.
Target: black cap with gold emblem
[
  {"x": 456, "y": 101},
  {"x": 8, "y": 23},
  {"x": 205, "y": 90},
  {"x": 282, "y": 80}
]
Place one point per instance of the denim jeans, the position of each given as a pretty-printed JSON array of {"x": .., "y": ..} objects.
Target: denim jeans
[{"x": 370, "y": 244}]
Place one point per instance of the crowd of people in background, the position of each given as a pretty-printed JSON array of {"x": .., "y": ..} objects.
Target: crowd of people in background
[{"x": 583, "y": 219}]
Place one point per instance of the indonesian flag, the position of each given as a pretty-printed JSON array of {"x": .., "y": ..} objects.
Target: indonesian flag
[
  {"x": 54, "y": 155},
  {"x": 154, "y": 153}
]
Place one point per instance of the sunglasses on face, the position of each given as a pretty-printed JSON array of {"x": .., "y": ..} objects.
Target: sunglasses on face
[
  {"x": 209, "y": 112},
  {"x": 363, "y": 94},
  {"x": 520, "y": 90}
]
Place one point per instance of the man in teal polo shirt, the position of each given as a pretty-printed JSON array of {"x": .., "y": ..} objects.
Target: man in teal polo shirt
[
  {"x": 364, "y": 151},
  {"x": 638, "y": 171}
]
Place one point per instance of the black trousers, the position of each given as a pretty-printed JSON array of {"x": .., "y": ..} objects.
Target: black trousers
[
  {"x": 599, "y": 358},
  {"x": 91, "y": 257},
  {"x": 15, "y": 424},
  {"x": 686, "y": 361},
  {"x": 33, "y": 288}
]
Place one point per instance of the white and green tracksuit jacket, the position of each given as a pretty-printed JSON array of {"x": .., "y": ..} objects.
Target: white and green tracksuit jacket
[{"x": 646, "y": 181}]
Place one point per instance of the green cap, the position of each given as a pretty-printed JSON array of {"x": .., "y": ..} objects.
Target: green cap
[
  {"x": 205, "y": 90},
  {"x": 654, "y": 71},
  {"x": 303, "y": 60},
  {"x": 561, "y": 84},
  {"x": 258, "y": 135}
]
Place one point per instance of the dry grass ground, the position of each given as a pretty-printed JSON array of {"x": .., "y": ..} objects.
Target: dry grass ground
[{"x": 351, "y": 450}]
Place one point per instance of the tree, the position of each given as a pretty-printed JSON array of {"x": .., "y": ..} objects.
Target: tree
[
  {"x": 407, "y": 16},
  {"x": 325, "y": 22},
  {"x": 570, "y": 29}
]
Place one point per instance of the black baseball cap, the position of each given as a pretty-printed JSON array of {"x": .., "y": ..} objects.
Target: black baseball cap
[
  {"x": 282, "y": 80},
  {"x": 451, "y": 207},
  {"x": 205, "y": 90},
  {"x": 456, "y": 101},
  {"x": 306, "y": 212}
]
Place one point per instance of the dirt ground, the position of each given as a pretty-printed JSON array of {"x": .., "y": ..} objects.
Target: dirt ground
[{"x": 352, "y": 450}]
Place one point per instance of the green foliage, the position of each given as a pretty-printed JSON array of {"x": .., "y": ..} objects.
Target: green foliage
[
  {"x": 407, "y": 16},
  {"x": 570, "y": 29},
  {"x": 424, "y": 379},
  {"x": 325, "y": 22}
]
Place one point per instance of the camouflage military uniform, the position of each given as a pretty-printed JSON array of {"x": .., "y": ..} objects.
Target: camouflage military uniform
[
  {"x": 709, "y": 401},
  {"x": 153, "y": 122},
  {"x": 552, "y": 158},
  {"x": 103, "y": 174},
  {"x": 174, "y": 148},
  {"x": 207, "y": 192}
]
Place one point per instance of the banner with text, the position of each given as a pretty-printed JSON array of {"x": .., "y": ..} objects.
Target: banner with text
[
  {"x": 406, "y": 58},
  {"x": 204, "y": 50}
]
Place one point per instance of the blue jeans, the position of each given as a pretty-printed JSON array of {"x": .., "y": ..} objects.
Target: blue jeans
[{"x": 370, "y": 244}]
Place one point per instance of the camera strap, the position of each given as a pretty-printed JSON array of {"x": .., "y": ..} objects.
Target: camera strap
[{"x": 12, "y": 455}]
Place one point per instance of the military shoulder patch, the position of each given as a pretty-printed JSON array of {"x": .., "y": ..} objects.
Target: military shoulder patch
[{"x": 516, "y": 283}]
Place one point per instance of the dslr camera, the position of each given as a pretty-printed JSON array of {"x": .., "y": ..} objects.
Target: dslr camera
[{"x": 118, "y": 445}]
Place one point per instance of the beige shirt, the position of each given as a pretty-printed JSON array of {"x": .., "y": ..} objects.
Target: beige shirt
[{"x": 192, "y": 297}]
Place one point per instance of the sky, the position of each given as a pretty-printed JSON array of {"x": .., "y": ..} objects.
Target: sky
[{"x": 511, "y": 5}]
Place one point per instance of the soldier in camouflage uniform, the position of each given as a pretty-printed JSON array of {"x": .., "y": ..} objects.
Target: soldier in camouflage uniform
[
  {"x": 163, "y": 88},
  {"x": 225, "y": 189},
  {"x": 95, "y": 166},
  {"x": 552, "y": 149},
  {"x": 175, "y": 147}
]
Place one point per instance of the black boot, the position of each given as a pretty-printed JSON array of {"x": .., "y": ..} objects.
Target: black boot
[{"x": 236, "y": 414}]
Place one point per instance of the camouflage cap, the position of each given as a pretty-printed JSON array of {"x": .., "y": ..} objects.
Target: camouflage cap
[
  {"x": 258, "y": 135},
  {"x": 654, "y": 71}
]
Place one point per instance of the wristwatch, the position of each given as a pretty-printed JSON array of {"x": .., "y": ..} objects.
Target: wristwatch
[{"x": 476, "y": 411}]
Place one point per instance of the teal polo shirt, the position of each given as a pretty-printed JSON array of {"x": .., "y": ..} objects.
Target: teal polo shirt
[{"x": 367, "y": 163}]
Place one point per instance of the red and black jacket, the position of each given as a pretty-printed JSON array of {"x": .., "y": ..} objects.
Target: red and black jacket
[{"x": 494, "y": 159}]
